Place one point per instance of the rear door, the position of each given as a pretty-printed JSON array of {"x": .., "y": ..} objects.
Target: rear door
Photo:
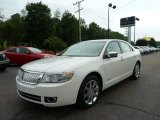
[{"x": 128, "y": 57}]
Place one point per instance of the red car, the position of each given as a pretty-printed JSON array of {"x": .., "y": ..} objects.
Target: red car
[{"x": 22, "y": 55}]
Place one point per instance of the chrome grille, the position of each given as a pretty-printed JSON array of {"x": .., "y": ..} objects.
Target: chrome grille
[
  {"x": 20, "y": 74},
  {"x": 29, "y": 77}
]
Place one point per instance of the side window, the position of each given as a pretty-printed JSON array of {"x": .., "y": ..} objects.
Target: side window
[
  {"x": 12, "y": 50},
  {"x": 125, "y": 47},
  {"x": 23, "y": 51},
  {"x": 113, "y": 47}
]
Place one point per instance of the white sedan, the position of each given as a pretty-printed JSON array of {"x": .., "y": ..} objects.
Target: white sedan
[{"x": 79, "y": 73}]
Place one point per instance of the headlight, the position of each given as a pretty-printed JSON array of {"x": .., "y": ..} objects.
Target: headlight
[
  {"x": 47, "y": 56},
  {"x": 57, "y": 78},
  {"x": 4, "y": 56}
]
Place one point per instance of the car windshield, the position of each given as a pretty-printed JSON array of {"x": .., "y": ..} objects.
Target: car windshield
[
  {"x": 34, "y": 50},
  {"x": 84, "y": 49}
]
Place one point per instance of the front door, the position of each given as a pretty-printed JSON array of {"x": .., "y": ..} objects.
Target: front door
[{"x": 114, "y": 67}]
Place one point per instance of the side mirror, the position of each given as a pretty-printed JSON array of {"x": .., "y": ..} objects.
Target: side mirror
[{"x": 111, "y": 55}]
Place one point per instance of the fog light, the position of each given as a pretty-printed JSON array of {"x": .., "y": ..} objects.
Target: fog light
[{"x": 50, "y": 99}]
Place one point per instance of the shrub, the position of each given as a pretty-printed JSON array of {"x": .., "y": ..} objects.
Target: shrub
[{"x": 55, "y": 44}]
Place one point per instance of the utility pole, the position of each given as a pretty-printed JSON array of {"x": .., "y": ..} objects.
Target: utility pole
[
  {"x": 134, "y": 34},
  {"x": 110, "y": 6},
  {"x": 135, "y": 29},
  {"x": 79, "y": 14}
]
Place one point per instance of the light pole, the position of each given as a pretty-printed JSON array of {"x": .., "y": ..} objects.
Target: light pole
[
  {"x": 135, "y": 29},
  {"x": 110, "y": 6}
]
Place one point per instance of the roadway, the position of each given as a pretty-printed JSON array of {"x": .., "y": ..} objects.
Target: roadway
[{"x": 128, "y": 100}]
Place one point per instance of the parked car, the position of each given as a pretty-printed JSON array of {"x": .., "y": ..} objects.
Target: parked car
[
  {"x": 3, "y": 61},
  {"x": 22, "y": 55},
  {"x": 158, "y": 49},
  {"x": 146, "y": 49},
  {"x": 79, "y": 73},
  {"x": 154, "y": 49},
  {"x": 140, "y": 49}
]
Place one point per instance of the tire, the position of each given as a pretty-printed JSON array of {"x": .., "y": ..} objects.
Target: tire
[
  {"x": 136, "y": 71},
  {"x": 88, "y": 92},
  {"x": 3, "y": 69}
]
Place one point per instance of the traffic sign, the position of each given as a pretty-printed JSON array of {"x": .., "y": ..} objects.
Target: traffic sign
[{"x": 127, "y": 22}]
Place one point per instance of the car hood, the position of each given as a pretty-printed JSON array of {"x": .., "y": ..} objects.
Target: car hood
[{"x": 57, "y": 64}]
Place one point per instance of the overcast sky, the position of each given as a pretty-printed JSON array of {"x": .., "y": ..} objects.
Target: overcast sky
[{"x": 96, "y": 11}]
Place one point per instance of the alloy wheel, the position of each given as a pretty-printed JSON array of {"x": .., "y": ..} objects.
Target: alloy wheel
[{"x": 91, "y": 92}]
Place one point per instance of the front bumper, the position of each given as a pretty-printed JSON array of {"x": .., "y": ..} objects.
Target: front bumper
[
  {"x": 64, "y": 93},
  {"x": 4, "y": 63}
]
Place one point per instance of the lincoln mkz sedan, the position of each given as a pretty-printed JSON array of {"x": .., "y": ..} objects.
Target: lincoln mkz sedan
[{"x": 79, "y": 74}]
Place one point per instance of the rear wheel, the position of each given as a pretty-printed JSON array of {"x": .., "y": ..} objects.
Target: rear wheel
[
  {"x": 89, "y": 92},
  {"x": 136, "y": 72}
]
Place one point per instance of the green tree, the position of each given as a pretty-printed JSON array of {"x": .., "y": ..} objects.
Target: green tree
[
  {"x": 152, "y": 42},
  {"x": 69, "y": 28},
  {"x": 56, "y": 27},
  {"x": 104, "y": 33},
  {"x": 55, "y": 44},
  {"x": 84, "y": 30},
  {"x": 1, "y": 26},
  {"x": 18, "y": 27},
  {"x": 57, "y": 24},
  {"x": 39, "y": 23},
  {"x": 94, "y": 31},
  {"x": 57, "y": 14},
  {"x": 117, "y": 35},
  {"x": 141, "y": 42},
  {"x": 23, "y": 12},
  {"x": 35, "y": 25},
  {"x": 158, "y": 43},
  {"x": 1, "y": 15},
  {"x": 132, "y": 43},
  {"x": 13, "y": 30}
]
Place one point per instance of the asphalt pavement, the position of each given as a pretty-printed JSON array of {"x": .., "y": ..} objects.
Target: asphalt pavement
[{"x": 128, "y": 100}]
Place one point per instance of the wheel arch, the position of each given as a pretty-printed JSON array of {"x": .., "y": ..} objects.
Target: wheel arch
[
  {"x": 36, "y": 58},
  {"x": 139, "y": 62},
  {"x": 97, "y": 75},
  {"x": 80, "y": 103}
]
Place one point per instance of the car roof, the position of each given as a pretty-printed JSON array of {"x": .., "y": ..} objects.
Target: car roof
[
  {"x": 20, "y": 47},
  {"x": 105, "y": 40}
]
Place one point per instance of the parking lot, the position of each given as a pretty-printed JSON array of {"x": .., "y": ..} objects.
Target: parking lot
[{"x": 128, "y": 100}]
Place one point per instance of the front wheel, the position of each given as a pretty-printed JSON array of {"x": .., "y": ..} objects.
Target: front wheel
[
  {"x": 3, "y": 68},
  {"x": 89, "y": 92},
  {"x": 136, "y": 72}
]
